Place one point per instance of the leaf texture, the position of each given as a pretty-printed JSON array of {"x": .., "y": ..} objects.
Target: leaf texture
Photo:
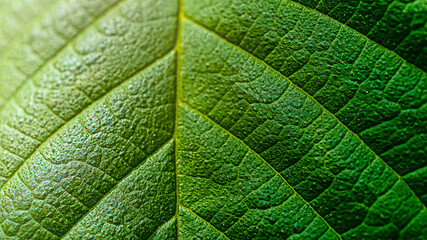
[{"x": 229, "y": 119}]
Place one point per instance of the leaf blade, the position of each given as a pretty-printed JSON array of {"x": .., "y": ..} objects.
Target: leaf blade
[
  {"x": 232, "y": 120},
  {"x": 293, "y": 132},
  {"x": 103, "y": 145},
  {"x": 369, "y": 88}
]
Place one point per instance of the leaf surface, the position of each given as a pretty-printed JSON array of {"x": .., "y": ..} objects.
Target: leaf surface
[{"x": 231, "y": 119}]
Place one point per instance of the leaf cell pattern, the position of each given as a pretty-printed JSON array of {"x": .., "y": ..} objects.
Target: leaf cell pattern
[{"x": 230, "y": 119}]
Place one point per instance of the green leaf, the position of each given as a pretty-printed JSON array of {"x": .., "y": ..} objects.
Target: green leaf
[{"x": 201, "y": 119}]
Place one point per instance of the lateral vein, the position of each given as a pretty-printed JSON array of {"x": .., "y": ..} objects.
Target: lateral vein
[{"x": 310, "y": 96}]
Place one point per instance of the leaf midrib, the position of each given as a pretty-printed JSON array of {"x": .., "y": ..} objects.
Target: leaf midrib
[
  {"x": 310, "y": 96},
  {"x": 178, "y": 89}
]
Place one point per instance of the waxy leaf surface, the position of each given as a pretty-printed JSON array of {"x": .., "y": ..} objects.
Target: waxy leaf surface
[{"x": 202, "y": 119}]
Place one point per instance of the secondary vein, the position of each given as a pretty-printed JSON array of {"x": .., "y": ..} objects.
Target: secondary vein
[
  {"x": 335, "y": 20},
  {"x": 115, "y": 186},
  {"x": 259, "y": 156},
  {"x": 53, "y": 134},
  {"x": 302, "y": 90},
  {"x": 55, "y": 55}
]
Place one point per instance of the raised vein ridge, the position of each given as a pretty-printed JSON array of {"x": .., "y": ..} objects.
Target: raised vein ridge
[
  {"x": 349, "y": 22},
  {"x": 296, "y": 86},
  {"x": 52, "y": 58},
  {"x": 64, "y": 126},
  {"x": 265, "y": 162},
  {"x": 115, "y": 186}
]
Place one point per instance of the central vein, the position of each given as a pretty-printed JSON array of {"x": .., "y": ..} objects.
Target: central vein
[{"x": 178, "y": 50}]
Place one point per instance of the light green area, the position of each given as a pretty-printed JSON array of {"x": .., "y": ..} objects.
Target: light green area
[
  {"x": 202, "y": 119},
  {"x": 60, "y": 23}
]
